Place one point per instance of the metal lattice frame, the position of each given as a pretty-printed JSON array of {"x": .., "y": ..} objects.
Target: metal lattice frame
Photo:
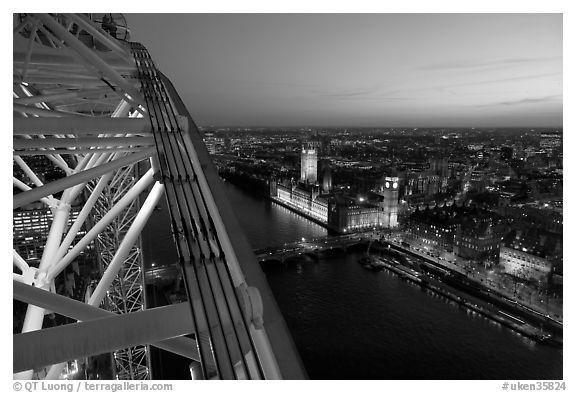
[
  {"x": 96, "y": 107},
  {"x": 126, "y": 293},
  {"x": 55, "y": 77}
]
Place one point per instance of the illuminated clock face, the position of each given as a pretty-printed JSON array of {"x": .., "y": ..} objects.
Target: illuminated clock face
[
  {"x": 395, "y": 185},
  {"x": 387, "y": 185}
]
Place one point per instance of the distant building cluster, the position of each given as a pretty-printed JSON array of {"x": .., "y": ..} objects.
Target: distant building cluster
[
  {"x": 313, "y": 195},
  {"x": 550, "y": 141},
  {"x": 30, "y": 230},
  {"x": 215, "y": 145},
  {"x": 457, "y": 193},
  {"x": 466, "y": 231}
]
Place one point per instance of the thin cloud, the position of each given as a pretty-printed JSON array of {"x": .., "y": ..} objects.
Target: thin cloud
[
  {"x": 365, "y": 94},
  {"x": 473, "y": 65},
  {"x": 538, "y": 100},
  {"x": 446, "y": 88},
  {"x": 347, "y": 93},
  {"x": 511, "y": 79},
  {"x": 529, "y": 101}
]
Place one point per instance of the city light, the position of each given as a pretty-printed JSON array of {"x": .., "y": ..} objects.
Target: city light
[{"x": 462, "y": 213}]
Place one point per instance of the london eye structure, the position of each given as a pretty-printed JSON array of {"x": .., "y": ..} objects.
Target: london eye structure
[{"x": 100, "y": 136}]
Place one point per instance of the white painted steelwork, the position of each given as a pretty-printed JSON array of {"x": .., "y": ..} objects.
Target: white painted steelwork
[{"x": 101, "y": 114}]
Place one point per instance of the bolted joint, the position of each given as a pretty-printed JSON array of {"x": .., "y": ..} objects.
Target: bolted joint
[
  {"x": 29, "y": 276},
  {"x": 252, "y": 305},
  {"x": 60, "y": 207},
  {"x": 38, "y": 278}
]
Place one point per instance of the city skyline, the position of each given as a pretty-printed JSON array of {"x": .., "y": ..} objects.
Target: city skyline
[
  {"x": 148, "y": 248},
  {"x": 384, "y": 70}
]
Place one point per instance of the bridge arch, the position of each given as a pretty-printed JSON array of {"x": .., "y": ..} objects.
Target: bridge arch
[
  {"x": 360, "y": 246},
  {"x": 311, "y": 255}
]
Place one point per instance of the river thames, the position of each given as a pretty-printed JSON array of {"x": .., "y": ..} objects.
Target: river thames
[{"x": 351, "y": 323}]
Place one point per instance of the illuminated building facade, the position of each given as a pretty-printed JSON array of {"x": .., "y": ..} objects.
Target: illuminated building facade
[
  {"x": 306, "y": 200},
  {"x": 478, "y": 244},
  {"x": 213, "y": 144},
  {"x": 434, "y": 228},
  {"x": 30, "y": 230},
  {"x": 389, "y": 190},
  {"x": 341, "y": 213},
  {"x": 548, "y": 215},
  {"x": 351, "y": 217},
  {"x": 325, "y": 175},
  {"x": 422, "y": 184},
  {"x": 468, "y": 232},
  {"x": 309, "y": 165},
  {"x": 478, "y": 237},
  {"x": 424, "y": 181},
  {"x": 326, "y": 180},
  {"x": 524, "y": 265},
  {"x": 531, "y": 252}
]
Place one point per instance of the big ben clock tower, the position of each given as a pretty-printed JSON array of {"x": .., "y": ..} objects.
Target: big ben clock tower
[{"x": 389, "y": 190}]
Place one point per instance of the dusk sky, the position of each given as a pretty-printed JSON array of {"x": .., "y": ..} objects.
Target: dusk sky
[{"x": 385, "y": 70}]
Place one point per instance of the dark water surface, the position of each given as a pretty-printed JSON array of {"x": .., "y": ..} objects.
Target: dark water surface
[{"x": 350, "y": 323}]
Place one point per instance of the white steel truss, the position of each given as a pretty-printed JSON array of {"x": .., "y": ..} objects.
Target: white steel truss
[
  {"x": 125, "y": 294},
  {"x": 95, "y": 107},
  {"x": 51, "y": 82}
]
